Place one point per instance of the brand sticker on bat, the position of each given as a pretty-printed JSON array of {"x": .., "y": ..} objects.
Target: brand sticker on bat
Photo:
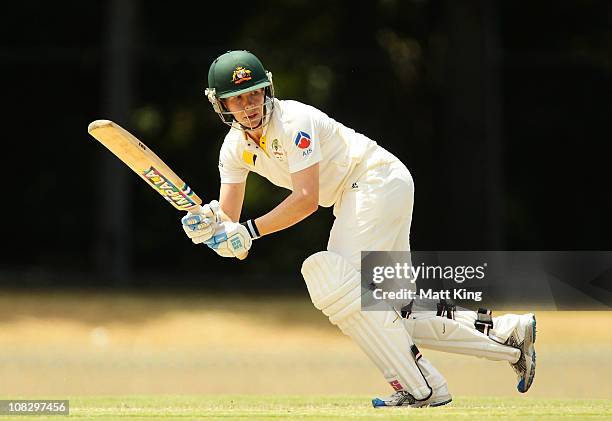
[{"x": 178, "y": 197}]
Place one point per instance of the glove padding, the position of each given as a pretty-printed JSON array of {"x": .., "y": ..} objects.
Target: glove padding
[
  {"x": 231, "y": 239},
  {"x": 201, "y": 224}
]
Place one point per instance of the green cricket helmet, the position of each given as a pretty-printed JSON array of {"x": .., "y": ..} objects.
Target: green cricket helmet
[{"x": 235, "y": 73}]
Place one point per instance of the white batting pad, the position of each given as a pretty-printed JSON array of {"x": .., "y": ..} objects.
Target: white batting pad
[
  {"x": 456, "y": 336},
  {"x": 335, "y": 288}
]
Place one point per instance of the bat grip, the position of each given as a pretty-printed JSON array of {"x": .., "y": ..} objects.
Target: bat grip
[{"x": 196, "y": 210}]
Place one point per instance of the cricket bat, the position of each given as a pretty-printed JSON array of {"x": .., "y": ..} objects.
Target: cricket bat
[{"x": 146, "y": 164}]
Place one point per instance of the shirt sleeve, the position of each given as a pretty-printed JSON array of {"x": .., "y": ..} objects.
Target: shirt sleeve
[
  {"x": 230, "y": 168},
  {"x": 304, "y": 149}
]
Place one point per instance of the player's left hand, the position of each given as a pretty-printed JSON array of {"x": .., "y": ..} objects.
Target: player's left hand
[{"x": 231, "y": 239}]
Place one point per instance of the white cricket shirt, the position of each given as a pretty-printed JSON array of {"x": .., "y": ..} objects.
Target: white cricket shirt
[{"x": 297, "y": 137}]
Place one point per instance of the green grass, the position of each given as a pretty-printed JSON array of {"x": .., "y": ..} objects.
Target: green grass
[{"x": 223, "y": 407}]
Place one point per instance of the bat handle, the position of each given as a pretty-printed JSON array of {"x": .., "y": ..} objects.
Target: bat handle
[{"x": 197, "y": 209}]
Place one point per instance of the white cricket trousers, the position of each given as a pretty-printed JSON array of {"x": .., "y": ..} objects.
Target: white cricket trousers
[{"x": 374, "y": 212}]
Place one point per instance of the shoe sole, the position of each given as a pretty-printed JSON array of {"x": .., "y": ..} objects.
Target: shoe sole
[
  {"x": 521, "y": 386},
  {"x": 433, "y": 405}
]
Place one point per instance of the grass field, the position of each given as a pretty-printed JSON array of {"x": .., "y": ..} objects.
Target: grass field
[
  {"x": 254, "y": 407},
  {"x": 196, "y": 357}
]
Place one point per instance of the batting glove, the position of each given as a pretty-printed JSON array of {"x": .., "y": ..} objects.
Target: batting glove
[
  {"x": 201, "y": 224},
  {"x": 232, "y": 239}
]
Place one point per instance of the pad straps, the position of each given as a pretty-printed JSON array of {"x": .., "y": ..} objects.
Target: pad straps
[
  {"x": 446, "y": 309},
  {"x": 484, "y": 321},
  {"x": 406, "y": 311}
]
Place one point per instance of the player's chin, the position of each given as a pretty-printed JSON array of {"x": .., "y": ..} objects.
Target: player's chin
[{"x": 252, "y": 123}]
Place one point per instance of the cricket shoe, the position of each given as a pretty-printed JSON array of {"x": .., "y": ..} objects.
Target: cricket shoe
[
  {"x": 523, "y": 338},
  {"x": 439, "y": 397}
]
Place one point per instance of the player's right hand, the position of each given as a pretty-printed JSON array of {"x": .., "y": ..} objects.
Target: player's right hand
[
  {"x": 201, "y": 225},
  {"x": 231, "y": 239}
]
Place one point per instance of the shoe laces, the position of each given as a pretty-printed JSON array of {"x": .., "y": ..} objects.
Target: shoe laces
[{"x": 402, "y": 397}]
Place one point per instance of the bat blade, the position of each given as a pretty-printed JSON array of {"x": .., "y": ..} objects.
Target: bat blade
[{"x": 145, "y": 163}]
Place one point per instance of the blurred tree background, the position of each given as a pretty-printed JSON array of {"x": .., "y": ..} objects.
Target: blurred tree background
[{"x": 498, "y": 108}]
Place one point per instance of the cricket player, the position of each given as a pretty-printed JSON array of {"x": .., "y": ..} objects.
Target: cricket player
[{"x": 324, "y": 163}]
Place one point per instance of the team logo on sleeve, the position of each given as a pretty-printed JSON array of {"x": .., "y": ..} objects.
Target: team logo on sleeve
[{"x": 302, "y": 140}]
